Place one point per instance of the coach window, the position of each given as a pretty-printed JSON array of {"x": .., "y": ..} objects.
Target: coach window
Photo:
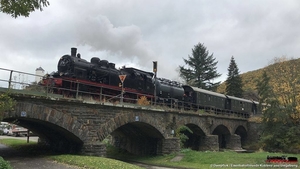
[{"x": 242, "y": 105}]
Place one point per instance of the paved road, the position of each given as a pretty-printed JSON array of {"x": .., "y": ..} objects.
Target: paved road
[{"x": 23, "y": 161}]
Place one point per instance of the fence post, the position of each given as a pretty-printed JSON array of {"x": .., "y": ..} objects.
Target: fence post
[
  {"x": 9, "y": 82},
  {"x": 47, "y": 88},
  {"x": 100, "y": 94},
  {"x": 77, "y": 90}
]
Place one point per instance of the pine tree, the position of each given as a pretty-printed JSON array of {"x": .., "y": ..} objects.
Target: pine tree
[
  {"x": 264, "y": 90},
  {"x": 234, "y": 83},
  {"x": 201, "y": 69}
]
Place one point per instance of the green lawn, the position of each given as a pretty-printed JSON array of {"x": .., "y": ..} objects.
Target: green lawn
[
  {"x": 227, "y": 159},
  {"x": 191, "y": 159}
]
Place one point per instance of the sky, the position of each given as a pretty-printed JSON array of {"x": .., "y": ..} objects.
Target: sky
[{"x": 136, "y": 32}]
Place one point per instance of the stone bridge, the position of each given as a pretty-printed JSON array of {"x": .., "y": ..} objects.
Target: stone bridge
[{"x": 80, "y": 126}]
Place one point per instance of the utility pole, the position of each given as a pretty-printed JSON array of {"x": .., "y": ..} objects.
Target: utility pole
[{"x": 155, "y": 71}]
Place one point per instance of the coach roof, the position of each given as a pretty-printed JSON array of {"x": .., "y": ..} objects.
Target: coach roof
[{"x": 196, "y": 89}]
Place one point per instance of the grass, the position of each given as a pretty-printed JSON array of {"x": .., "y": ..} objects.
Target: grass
[
  {"x": 208, "y": 159},
  {"x": 192, "y": 159},
  {"x": 77, "y": 160},
  {"x": 93, "y": 162}
]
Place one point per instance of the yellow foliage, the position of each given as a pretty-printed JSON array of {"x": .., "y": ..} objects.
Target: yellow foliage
[
  {"x": 143, "y": 101},
  {"x": 284, "y": 76},
  {"x": 255, "y": 119}
]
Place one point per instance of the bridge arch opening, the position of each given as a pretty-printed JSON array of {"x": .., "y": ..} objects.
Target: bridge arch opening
[
  {"x": 138, "y": 138},
  {"x": 241, "y": 131},
  {"x": 195, "y": 139},
  {"x": 58, "y": 138},
  {"x": 223, "y": 135}
]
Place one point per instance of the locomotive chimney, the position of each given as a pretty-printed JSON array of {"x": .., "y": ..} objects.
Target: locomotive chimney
[{"x": 73, "y": 52}]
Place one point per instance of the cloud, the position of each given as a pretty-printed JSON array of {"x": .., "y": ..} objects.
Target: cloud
[
  {"x": 124, "y": 42},
  {"x": 135, "y": 33}
]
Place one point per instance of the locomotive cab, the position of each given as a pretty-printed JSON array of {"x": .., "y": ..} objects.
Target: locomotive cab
[{"x": 139, "y": 80}]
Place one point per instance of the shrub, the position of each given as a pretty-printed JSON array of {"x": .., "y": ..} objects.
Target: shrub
[
  {"x": 6, "y": 103},
  {"x": 181, "y": 133},
  {"x": 143, "y": 101},
  {"x": 4, "y": 164}
]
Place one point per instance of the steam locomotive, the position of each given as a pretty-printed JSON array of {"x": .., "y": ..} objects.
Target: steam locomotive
[{"x": 100, "y": 76}]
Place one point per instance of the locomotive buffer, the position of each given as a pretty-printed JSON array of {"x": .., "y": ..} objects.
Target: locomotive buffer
[{"x": 122, "y": 78}]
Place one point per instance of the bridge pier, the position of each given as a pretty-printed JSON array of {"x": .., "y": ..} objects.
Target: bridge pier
[
  {"x": 209, "y": 142},
  {"x": 94, "y": 149},
  {"x": 234, "y": 142},
  {"x": 170, "y": 145}
]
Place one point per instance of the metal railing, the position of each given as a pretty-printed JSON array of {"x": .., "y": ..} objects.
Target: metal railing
[{"x": 31, "y": 84}]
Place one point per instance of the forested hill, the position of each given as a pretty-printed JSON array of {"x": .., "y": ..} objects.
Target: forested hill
[{"x": 249, "y": 78}]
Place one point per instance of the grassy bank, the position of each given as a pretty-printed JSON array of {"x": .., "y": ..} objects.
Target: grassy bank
[
  {"x": 80, "y": 161},
  {"x": 227, "y": 159},
  {"x": 191, "y": 159}
]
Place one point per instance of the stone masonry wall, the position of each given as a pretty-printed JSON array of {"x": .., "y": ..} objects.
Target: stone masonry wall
[
  {"x": 170, "y": 145},
  {"x": 91, "y": 123},
  {"x": 209, "y": 142}
]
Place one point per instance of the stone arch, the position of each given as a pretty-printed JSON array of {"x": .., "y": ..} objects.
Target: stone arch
[
  {"x": 123, "y": 119},
  {"x": 195, "y": 138},
  {"x": 223, "y": 135},
  {"x": 202, "y": 124},
  {"x": 242, "y": 132},
  {"x": 58, "y": 127},
  {"x": 136, "y": 134}
]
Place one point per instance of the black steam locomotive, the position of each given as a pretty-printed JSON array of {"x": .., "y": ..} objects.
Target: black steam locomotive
[{"x": 100, "y": 76}]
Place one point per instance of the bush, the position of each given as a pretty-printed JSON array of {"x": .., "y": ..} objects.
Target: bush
[
  {"x": 181, "y": 133},
  {"x": 143, "y": 101},
  {"x": 4, "y": 164}
]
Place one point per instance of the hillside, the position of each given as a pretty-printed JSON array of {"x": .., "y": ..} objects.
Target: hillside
[{"x": 249, "y": 79}]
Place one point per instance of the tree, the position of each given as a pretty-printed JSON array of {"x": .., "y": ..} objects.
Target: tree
[
  {"x": 281, "y": 118},
  {"x": 234, "y": 85},
  {"x": 201, "y": 70},
  {"x": 264, "y": 89},
  {"x": 6, "y": 103},
  {"x": 286, "y": 85},
  {"x": 17, "y": 8}
]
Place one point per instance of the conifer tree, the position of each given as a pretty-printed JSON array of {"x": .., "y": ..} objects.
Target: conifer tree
[
  {"x": 201, "y": 69},
  {"x": 264, "y": 90},
  {"x": 234, "y": 83}
]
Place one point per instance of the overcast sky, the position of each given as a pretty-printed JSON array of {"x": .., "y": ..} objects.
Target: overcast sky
[{"x": 136, "y": 32}]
